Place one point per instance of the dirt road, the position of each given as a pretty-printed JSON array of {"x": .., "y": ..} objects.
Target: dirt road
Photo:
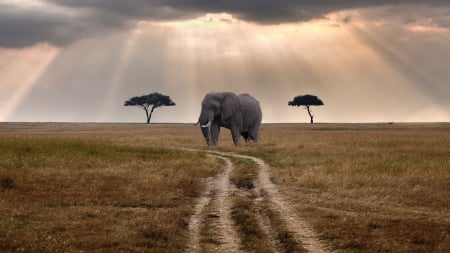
[{"x": 213, "y": 230}]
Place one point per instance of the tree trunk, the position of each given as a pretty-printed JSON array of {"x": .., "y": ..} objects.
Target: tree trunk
[
  {"x": 310, "y": 114},
  {"x": 149, "y": 116}
]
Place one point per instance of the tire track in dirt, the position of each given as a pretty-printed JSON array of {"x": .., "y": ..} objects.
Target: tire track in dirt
[
  {"x": 216, "y": 198},
  {"x": 301, "y": 231},
  {"x": 264, "y": 221},
  {"x": 195, "y": 221},
  {"x": 230, "y": 239}
]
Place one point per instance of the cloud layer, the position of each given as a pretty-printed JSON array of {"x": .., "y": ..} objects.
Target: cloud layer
[{"x": 61, "y": 22}]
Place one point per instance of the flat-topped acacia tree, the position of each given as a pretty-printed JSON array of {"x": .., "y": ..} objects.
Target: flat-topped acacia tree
[
  {"x": 306, "y": 101},
  {"x": 149, "y": 103}
]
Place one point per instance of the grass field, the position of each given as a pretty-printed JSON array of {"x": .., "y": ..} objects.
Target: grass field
[{"x": 67, "y": 187}]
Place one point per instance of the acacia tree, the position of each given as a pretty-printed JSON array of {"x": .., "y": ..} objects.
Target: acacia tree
[
  {"x": 150, "y": 102},
  {"x": 306, "y": 101}
]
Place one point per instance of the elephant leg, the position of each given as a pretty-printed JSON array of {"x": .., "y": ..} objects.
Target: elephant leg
[
  {"x": 245, "y": 135},
  {"x": 236, "y": 135},
  {"x": 253, "y": 134},
  {"x": 215, "y": 130}
]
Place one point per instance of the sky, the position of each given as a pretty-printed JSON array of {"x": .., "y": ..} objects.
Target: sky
[{"x": 367, "y": 60}]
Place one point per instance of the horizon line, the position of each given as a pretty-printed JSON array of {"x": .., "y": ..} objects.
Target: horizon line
[{"x": 151, "y": 123}]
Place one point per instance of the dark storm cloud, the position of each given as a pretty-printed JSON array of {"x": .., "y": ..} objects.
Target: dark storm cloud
[
  {"x": 260, "y": 11},
  {"x": 21, "y": 27}
]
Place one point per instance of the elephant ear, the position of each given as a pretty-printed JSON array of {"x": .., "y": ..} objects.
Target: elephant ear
[{"x": 229, "y": 106}]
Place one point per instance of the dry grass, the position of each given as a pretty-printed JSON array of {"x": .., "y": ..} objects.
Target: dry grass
[
  {"x": 260, "y": 228},
  {"x": 283, "y": 236},
  {"x": 108, "y": 187},
  {"x": 244, "y": 175},
  {"x": 366, "y": 187},
  {"x": 245, "y": 211},
  {"x": 69, "y": 191},
  {"x": 249, "y": 228}
]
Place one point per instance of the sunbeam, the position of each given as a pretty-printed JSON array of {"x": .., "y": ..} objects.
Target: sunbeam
[
  {"x": 21, "y": 70},
  {"x": 405, "y": 72},
  {"x": 119, "y": 68},
  {"x": 363, "y": 71},
  {"x": 279, "y": 61}
]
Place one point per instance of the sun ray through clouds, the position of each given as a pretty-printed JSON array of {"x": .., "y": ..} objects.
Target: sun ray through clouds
[
  {"x": 183, "y": 72},
  {"x": 409, "y": 78},
  {"x": 119, "y": 68},
  {"x": 19, "y": 73},
  {"x": 352, "y": 66},
  {"x": 272, "y": 62},
  {"x": 195, "y": 57}
]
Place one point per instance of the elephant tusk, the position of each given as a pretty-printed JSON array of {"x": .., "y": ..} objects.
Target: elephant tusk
[{"x": 207, "y": 125}]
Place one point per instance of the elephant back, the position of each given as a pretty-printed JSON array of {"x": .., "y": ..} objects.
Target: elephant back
[{"x": 251, "y": 111}]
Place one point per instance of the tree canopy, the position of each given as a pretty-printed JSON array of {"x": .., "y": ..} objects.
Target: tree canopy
[
  {"x": 152, "y": 101},
  {"x": 307, "y": 101}
]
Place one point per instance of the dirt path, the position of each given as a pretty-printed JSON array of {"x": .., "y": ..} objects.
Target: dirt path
[
  {"x": 300, "y": 230},
  {"x": 196, "y": 219},
  {"x": 229, "y": 237},
  {"x": 212, "y": 217}
]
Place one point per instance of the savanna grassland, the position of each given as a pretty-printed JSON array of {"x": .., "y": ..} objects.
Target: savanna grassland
[
  {"x": 129, "y": 188},
  {"x": 95, "y": 188},
  {"x": 366, "y": 188}
]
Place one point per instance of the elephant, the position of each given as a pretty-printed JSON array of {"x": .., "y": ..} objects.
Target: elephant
[{"x": 241, "y": 114}]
